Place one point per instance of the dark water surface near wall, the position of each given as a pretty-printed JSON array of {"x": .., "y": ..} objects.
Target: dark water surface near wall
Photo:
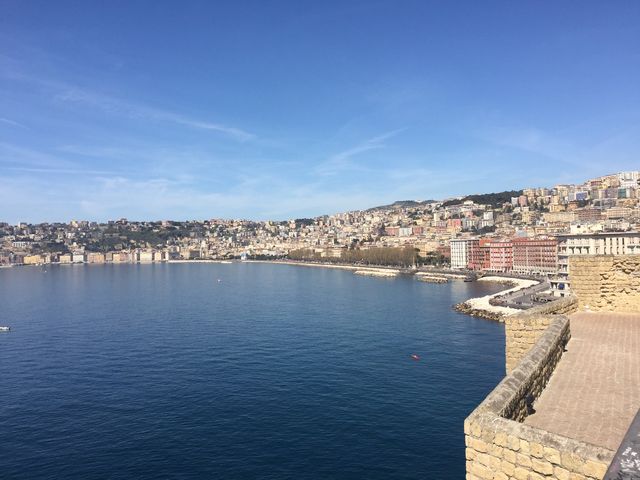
[{"x": 239, "y": 371}]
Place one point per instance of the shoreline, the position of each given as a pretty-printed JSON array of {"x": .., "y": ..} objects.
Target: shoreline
[
  {"x": 382, "y": 272},
  {"x": 481, "y": 306},
  {"x": 303, "y": 264},
  {"x": 476, "y": 307},
  {"x": 193, "y": 261}
]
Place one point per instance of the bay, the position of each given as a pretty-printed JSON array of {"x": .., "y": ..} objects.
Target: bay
[{"x": 246, "y": 371}]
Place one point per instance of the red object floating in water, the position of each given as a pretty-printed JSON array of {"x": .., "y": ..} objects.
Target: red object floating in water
[{"x": 415, "y": 356}]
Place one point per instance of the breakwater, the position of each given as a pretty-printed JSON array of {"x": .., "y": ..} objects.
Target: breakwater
[
  {"x": 377, "y": 272},
  {"x": 432, "y": 279},
  {"x": 482, "y": 306}
]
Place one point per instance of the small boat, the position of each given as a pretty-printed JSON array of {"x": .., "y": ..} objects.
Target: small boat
[
  {"x": 5, "y": 329},
  {"x": 415, "y": 356}
]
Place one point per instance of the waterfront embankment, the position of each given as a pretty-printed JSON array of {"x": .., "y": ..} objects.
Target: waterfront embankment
[
  {"x": 199, "y": 261},
  {"x": 431, "y": 278},
  {"x": 482, "y": 307},
  {"x": 477, "y": 307},
  {"x": 377, "y": 272},
  {"x": 306, "y": 264}
]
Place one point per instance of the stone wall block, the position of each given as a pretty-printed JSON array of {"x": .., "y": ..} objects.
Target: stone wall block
[
  {"x": 521, "y": 473},
  {"x": 523, "y": 460},
  {"x": 571, "y": 461},
  {"x": 594, "y": 469},
  {"x": 541, "y": 466},
  {"x": 561, "y": 473},
  {"x": 552, "y": 455}
]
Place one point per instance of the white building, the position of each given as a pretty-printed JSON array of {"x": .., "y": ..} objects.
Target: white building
[
  {"x": 601, "y": 243},
  {"x": 460, "y": 249},
  {"x": 629, "y": 179}
]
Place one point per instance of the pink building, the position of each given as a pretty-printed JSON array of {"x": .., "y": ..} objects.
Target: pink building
[
  {"x": 501, "y": 256},
  {"x": 479, "y": 255},
  {"x": 535, "y": 256}
]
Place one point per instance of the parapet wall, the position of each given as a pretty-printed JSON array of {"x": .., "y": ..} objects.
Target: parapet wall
[
  {"x": 523, "y": 331},
  {"x": 606, "y": 282},
  {"x": 500, "y": 447}
]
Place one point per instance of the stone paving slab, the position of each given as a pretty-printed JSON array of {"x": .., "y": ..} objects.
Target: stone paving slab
[{"x": 594, "y": 393}]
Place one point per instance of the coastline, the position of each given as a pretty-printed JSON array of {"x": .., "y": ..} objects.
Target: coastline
[
  {"x": 193, "y": 261},
  {"x": 303, "y": 264},
  {"x": 481, "y": 306},
  {"x": 383, "y": 272},
  {"x": 476, "y": 307},
  {"x": 377, "y": 272}
]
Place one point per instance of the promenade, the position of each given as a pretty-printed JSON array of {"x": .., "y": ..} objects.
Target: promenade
[{"x": 594, "y": 393}]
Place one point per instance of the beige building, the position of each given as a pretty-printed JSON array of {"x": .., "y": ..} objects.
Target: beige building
[
  {"x": 145, "y": 256},
  {"x": 121, "y": 257},
  {"x": 95, "y": 257},
  {"x": 33, "y": 259},
  {"x": 559, "y": 217}
]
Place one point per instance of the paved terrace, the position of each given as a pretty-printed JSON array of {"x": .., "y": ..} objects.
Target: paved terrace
[{"x": 594, "y": 393}]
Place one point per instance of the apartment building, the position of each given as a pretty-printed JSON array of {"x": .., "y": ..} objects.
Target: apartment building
[
  {"x": 533, "y": 256},
  {"x": 501, "y": 256},
  {"x": 599, "y": 243},
  {"x": 479, "y": 254},
  {"x": 95, "y": 257},
  {"x": 460, "y": 249}
]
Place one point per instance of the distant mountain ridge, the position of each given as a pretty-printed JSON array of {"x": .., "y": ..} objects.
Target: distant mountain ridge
[
  {"x": 494, "y": 199},
  {"x": 401, "y": 203}
]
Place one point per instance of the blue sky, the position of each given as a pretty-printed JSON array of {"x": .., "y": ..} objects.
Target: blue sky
[{"x": 194, "y": 110}]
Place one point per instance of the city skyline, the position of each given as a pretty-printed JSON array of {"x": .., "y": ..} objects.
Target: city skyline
[{"x": 289, "y": 111}]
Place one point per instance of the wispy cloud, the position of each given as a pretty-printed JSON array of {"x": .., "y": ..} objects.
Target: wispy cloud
[
  {"x": 14, "y": 158},
  {"x": 133, "y": 110},
  {"x": 69, "y": 93},
  {"x": 342, "y": 160},
  {"x": 528, "y": 139},
  {"x": 11, "y": 154},
  {"x": 13, "y": 123},
  {"x": 585, "y": 155},
  {"x": 58, "y": 171}
]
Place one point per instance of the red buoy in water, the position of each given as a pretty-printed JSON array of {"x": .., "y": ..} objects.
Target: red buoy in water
[{"x": 414, "y": 356}]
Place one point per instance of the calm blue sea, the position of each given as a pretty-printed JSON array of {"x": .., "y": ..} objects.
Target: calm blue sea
[{"x": 241, "y": 371}]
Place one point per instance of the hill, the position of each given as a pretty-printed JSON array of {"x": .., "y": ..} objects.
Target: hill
[
  {"x": 400, "y": 204},
  {"x": 494, "y": 199}
]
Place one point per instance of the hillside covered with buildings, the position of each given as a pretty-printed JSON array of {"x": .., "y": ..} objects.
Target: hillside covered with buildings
[{"x": 530, "y": 232}]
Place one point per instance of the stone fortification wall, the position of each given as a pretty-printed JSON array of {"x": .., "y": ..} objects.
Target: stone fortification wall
[
  {"x": 523, "y": 331},
  {"x": 606, "y": 282},
  {"x": 500, "y": 447}
]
